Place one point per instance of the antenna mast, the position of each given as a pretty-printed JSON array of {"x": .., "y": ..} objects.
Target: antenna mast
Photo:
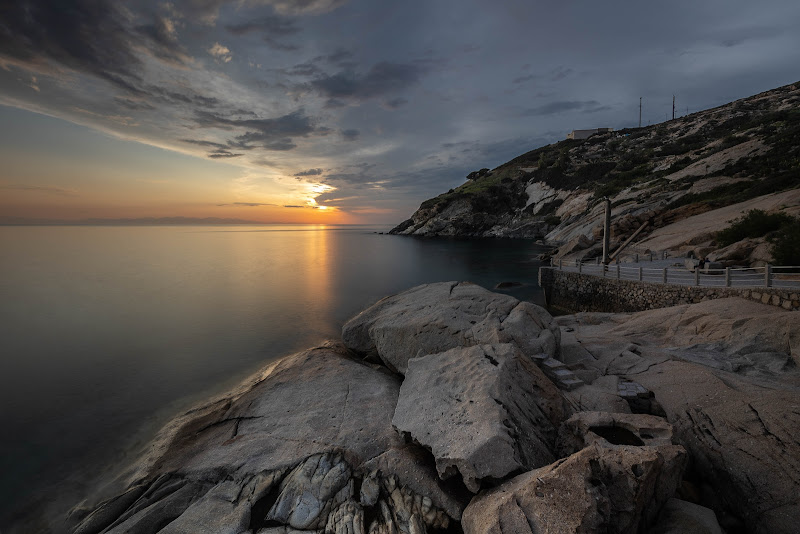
[
  {"x": 673, "y": 107},
  {"x": 640, "y": 112}
]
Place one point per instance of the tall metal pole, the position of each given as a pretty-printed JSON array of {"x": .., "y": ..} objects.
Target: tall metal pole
[
  {"x": 640, "y": 112},
  {"x": 607, "y": 231},
  {"x": 673, "y": 107}
]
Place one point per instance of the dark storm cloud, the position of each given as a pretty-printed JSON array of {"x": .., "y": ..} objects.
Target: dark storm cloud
[
  {"x": 359, "y": 173},
  {"x": 223, "y": 154},
  {"x": 86, "y": 35},
  {"x": 96, "y": 38},
  {"x": 272, "y": 134},
  {"x": 350, "y": 134},
  {"x": 303, "y": 69},
  {"x": 563, "y": 106},
  {"x": 309, "y": 172},
  {"x": 382, "y": 79},
  {"x": 202, "y": 142},
  {"x": 163, "y": 42}
]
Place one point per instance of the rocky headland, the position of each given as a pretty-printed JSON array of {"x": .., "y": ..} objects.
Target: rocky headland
[
  {"x": 685, "y": 180},
  {"x": 449, "y": 408}
]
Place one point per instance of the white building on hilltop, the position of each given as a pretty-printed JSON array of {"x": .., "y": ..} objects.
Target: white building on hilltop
[{"x": 586, "y": 134}]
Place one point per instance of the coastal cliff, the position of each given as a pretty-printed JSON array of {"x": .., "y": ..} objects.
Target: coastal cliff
[
  {"x": 449, "y": 408},
  {"x": 719, "y": 163}
]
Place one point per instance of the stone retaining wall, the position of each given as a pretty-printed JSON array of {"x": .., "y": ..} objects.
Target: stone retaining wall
[{"x": 580, "y": 292}]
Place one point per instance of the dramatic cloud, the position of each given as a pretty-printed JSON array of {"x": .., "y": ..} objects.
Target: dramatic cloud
[
  {"x": 382, "y": 79},
  {"x": 309, "y": 172},
  {"x": 271, "y": 134},
  {"x": 395, "y": 102}
]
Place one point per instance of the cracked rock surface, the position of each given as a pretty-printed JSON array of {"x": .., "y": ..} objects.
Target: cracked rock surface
[
  {"x": 484, "y": 411},
  {"x": 598, "y": 489},
  {"x": 289, "y": 448},
  {"x": 433, "y": 318},
  {"x": 725, "y": 374}
]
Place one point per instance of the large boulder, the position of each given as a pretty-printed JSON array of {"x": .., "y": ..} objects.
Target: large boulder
[
  {"x": 598, "y": 489},
  {"x": 433, "y": 318},
  {"x": 289, "y": 447},
  {"x": 725, "y": 374},
  {"x": 742, "y": 437},
  {"x": 484, "y": 411}
]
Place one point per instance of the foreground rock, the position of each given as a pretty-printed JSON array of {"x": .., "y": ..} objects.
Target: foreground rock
[
  {"x": 477, "y": 436},
  {"x": 598, "y": 489},
  {"x": 725, "y": 374},
  {"x": 484, "y": 412},
  {"x": 291, "y": 448},
  {"x": 433, "y": 318}
]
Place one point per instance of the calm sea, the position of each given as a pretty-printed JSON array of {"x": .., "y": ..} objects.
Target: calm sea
[{"x": 106, "y": 332}]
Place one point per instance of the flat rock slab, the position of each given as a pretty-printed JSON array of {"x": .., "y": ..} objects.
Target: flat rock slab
[
  {"x": 302, "y": 435},
  {"x": 433, "y": 318},
  {"x": 598, "y": 489},
  {"x": 484, "y": 411}
]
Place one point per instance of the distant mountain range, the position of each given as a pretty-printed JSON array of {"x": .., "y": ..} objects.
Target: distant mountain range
[{"x": 141, "y": 221}]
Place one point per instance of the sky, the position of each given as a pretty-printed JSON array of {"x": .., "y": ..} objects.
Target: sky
[{"x": 341, "y": 111}]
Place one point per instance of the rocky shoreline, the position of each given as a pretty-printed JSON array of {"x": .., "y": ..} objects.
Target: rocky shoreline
[{"x": 449, "y": 408}]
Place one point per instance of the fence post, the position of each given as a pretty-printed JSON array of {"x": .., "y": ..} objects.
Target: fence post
[
  {"x": 640, "y": 274},
  {"x": 727, "y": 277},
  {"x": 618, "y": 271},
  {"x": 697, "y": 275},
  {"x": 768, "y": 275},
  {"x": 597, "y": 260},
  {"x": 651, "y": 256},
  {"x": 560, "y": 264},
  {"x": 664, "y": 275},
  {"x": 605, "y": 267},
  {"x": 636, "y": 258},
  {"x": 580, "y": 265}
]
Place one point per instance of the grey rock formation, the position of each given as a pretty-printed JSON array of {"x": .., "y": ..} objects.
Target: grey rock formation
[
  {"x": 598, "y": 489},
  {"x": 433, "y": 318},
  {"x": 484, "y": 411},
  {"x": 299, "y": 434},
  {"x": 320, "y": 484},
  {"x": 724, "y": 373},
  {"x": 586, "y": 428}
]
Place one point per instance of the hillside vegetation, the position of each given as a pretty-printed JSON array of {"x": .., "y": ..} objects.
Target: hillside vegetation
[{"x": 665, "y": 173}]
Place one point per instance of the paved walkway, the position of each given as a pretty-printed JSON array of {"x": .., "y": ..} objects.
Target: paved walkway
[{"x": 673, "y": 271}]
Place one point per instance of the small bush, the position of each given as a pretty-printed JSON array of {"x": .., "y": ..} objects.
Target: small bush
[
  {"x": 786, "y": 245},
  {"x": 756, "y": 223}
]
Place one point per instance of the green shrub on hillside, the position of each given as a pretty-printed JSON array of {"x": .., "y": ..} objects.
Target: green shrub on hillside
[
  {"x": 756, "y": 223},
  {"x": 786, "y": 245}
]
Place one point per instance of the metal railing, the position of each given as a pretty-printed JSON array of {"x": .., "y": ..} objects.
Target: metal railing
[{"x": 768, "y": 276}]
